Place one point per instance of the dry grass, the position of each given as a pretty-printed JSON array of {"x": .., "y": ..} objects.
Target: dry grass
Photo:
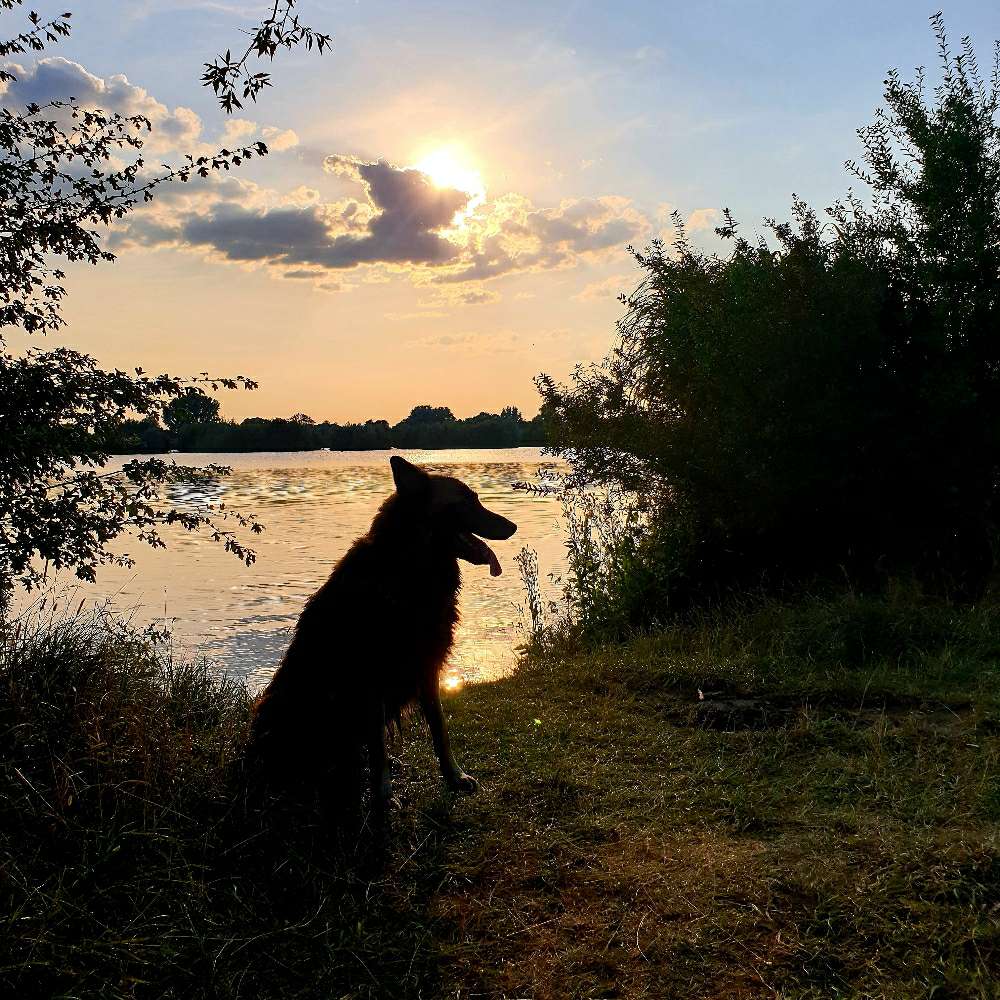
[{"x": 618, "y": 848}]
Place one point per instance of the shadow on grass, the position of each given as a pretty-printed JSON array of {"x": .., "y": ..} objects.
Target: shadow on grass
[{"x": 620, "y": 846}]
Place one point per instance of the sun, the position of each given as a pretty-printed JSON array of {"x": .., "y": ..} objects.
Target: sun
[{"x": 451, "y": 167}]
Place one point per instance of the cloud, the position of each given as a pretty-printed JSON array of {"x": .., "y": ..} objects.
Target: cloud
[
  {"x": 57, "y": 79},
  {"x": 410, "y": 210},
  {"x": 398, "y": 224},
  {"x": 521, "y": 237},
  {"x": 292, "y": 234},
  {"x": 607, "y": 288},
  {"x": 399, "y": 221},
  {"x": 278, "y": 140},
  {"x": 703, "y": 218},
  {"x": 477, "y": 296},
  {"x": 583, "y": 225},
  {"x": 237, "y": 131},
  {"x": 452, "y": 295},
  {"x": 319, "y": 278},
  {"x": 472, "y": 344},
  {"x": 333, "y": 286},
  {"x": 160, "y": 223}
]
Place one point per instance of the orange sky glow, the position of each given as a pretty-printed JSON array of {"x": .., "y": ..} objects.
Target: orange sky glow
[{"x": 448, "y": 200}]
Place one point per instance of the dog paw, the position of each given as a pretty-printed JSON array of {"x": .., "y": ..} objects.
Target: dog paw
[{"x": 464, "y": 783}]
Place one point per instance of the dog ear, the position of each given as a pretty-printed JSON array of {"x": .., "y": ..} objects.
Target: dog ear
[{"x": 407, "y": 477}]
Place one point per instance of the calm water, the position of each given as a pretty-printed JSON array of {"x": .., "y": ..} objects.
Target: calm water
[{"x": 314, "y": 504}]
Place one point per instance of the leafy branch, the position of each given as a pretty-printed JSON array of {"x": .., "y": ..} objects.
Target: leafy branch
[
  {"x": 34, "y": 39},
  {"x": 230, "y": 76},
  {"x": 66, "y": 173},
  {"x": 40, "y": 165}
]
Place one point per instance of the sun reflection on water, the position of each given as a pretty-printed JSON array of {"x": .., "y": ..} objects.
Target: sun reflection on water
[{"x": 314, "y": 505}]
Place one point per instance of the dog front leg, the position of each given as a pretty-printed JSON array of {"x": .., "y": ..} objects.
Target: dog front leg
[
  {"x": 379, "y": 772},
  {"x": 454, "y": 776}
]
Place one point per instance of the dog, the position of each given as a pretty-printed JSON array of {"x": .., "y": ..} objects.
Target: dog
[{"x": 372, "y": 641}]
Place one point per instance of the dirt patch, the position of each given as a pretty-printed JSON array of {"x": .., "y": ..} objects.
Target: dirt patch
[{"x": 741, "y": 713}]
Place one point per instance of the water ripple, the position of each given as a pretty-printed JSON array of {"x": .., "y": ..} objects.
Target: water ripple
[{"x": 314, "y": 504}]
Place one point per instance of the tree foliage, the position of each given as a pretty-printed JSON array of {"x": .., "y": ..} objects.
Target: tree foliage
[
  {"x": 230, "y": 76},
  {"x": 191, "y": 407},
  {"x": 507, "y": 429},
  {"x": 67, "y": 173},
  {"x": 425, "y": 414},
  {"x": 827, "y": 401}
]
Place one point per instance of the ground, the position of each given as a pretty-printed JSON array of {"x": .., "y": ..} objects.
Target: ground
[
  {"x": 774, "y": 800},
  {"x": 621, "y": 847}
]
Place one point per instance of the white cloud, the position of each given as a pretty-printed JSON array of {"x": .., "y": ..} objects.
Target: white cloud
[
  {"x": 57, "y": 79},
  {"x": 237, "y": 131},
  {"x": 702, "y": 219},
  {"x": 54, "y": 78},
  {"x": 278, "y": 140}
]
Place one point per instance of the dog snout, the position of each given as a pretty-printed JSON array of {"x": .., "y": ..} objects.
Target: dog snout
[
  {"x": 500, "y": 528},
  {"x": 508, "y": 529},
  {"x": 493, "y": 526}
]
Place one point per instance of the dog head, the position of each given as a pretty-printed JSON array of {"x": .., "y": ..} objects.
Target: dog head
[{"x": 458, "y": 520}]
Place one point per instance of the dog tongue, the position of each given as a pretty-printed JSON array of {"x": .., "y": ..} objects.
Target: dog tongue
[
  {"x": 486, "y": 555},
  {"x": 495, "y": 568}
]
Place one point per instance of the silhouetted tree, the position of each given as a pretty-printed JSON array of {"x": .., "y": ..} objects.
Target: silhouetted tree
[
  {"x": 430, "y": 415},
  {"x": 144, "y": 436},
  {"x": 191, "y": 407},
  {"x": 507, "y": 429},
  {"x": 66, "y": 173},
  {"x": 832, "y": 400}
]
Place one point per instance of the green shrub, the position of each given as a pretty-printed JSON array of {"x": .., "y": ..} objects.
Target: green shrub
[{"x": 825, "y": 404}]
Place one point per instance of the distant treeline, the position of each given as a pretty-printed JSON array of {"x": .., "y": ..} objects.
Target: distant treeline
[{"x": 193, "y": 424}]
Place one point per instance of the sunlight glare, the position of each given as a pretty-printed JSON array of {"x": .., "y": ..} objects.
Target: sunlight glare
[{"x": 449, "y": 167}]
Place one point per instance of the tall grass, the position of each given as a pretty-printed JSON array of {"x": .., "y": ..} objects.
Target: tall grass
[
  {"x": 616, "y": 561},
  {"x": 131, "y": 867},
  {"x": 612, "y": 569},
  {"x": 130, "y": 864}
]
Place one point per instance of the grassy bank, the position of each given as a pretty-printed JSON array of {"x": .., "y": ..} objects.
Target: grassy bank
[{"x": 823, "y": 822}]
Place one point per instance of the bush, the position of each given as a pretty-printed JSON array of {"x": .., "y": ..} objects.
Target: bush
[
  {"x": 129, "y": 863},
  {"x": 828, "y": 404}
]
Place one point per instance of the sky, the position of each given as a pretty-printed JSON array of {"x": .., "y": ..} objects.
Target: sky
[{"x": 451, "y": 189}]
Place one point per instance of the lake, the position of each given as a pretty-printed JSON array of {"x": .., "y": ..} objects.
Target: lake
[{"x": 314, "y": 504}]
